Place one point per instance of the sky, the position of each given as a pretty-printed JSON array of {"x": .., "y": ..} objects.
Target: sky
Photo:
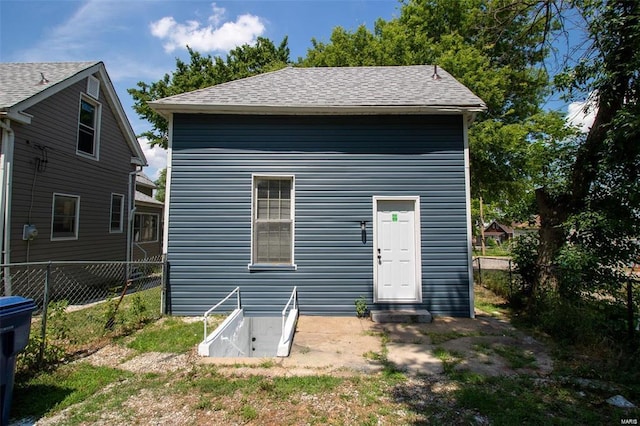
[{"x": 139, "y": 40}]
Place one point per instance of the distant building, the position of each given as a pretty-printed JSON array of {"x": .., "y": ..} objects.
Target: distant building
[
  {"x": 498, "y": 232},
  {"x": 147, "y": 221}
]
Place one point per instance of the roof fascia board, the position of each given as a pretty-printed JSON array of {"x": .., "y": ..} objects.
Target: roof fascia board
[
  {"x": 158, "y": 205},
  {"x": 123, "y": 121},
  {"x": 167, "y": 109},
  {"x": 17, "y": 116}
]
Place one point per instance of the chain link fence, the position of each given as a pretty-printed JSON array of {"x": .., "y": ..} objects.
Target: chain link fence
[
  {"x": 497, "y": 274},
  {"x": 81, "y": 305}
]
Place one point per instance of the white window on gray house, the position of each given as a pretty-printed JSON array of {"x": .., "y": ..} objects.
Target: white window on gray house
[
  {"x": 88, "y": 127},
  {"x": 65, "y": 217},
  {"x": 145, "y": 227},
  {"x": 273, "y": 220},
  {"x": 117, "y": 213}
]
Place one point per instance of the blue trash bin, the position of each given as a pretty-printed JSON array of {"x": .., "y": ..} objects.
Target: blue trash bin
[{"x": 15, "y": 324}]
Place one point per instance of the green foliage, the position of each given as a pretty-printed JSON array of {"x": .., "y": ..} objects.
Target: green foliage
[
  {"x": 574, "y": 271},
  {"x": 58, "y": 321},
  {"x": 161, "y": 183},
  {"x": 170, "y": 335},
  {"x": 525, "y": 257},
  {"x": 597, "y": 200},
  {"x": 201, "y": 72},
  {"x": 498, "y": 281},
  {"x": 28, "y": 362},
  {"x": 361, "y": 307},
  {"x": 70, "y": 332}
]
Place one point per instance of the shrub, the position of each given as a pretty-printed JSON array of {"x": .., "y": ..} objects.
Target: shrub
[
  {"x": 525, "y": 257},
  {"x": 575, "y": 269}
]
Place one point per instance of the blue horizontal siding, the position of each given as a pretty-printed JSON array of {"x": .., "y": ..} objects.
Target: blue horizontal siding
[{"x": 339, "y": 164}]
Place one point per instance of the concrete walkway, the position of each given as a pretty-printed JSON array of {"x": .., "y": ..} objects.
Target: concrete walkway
[{"x": 348, "y": 345}]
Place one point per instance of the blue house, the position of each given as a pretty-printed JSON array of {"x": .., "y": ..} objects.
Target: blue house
[{"x": 344, "y": 182}]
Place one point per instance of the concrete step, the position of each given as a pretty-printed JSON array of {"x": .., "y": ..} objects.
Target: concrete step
[{"x": 401, "y": 316}]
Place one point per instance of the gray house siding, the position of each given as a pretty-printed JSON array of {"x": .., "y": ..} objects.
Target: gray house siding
[
  {"x": 339, "y": 163},
  {"x": 55, "y": 126}
]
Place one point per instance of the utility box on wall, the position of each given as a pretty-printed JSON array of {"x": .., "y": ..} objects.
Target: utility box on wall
[{"x": 29, "y": 232}]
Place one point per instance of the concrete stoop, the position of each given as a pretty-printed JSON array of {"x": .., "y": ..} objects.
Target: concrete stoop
[{"x": 410, "y": 316}]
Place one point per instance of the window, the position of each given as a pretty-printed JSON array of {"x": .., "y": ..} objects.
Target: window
[
  {"x": 65, "y": 217},
  {"x": 145, "y": 228},
  {"x": 88, "y": 127},
  {"x": 273, "y": 225},
  {"x": 117, "y": 213}
]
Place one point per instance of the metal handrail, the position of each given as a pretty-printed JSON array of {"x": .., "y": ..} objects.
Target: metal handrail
[
  {"x": 294, "y": 298},
  {"x": 206, "y": 314}
]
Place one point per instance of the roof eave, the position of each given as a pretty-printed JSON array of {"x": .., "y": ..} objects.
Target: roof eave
[
  {"x": 17, "y": 116},
  {"x": 166, "y": 110},
  {"x": 158, "y": 205}
]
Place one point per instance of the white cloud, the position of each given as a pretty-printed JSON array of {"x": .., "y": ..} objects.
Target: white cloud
[
  {"x": 582, "y": 114},
  {"x": 156, "y": 157},
  {"x": 210, "y": 37}
]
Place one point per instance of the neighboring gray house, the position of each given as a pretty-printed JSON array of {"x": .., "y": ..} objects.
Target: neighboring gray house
[
  {"x": 69, "y": 159},
  {"x": 345, "y": 182},
  {"x": 147, "y": 222}
]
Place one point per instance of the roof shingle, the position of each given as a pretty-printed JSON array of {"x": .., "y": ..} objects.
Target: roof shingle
[
  {"x": 352, "y": 87},
  {"x": 20, "y": 81}
]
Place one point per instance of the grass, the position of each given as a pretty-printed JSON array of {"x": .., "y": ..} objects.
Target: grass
[
  {"x": 516, "y": 357},
  {"x": 171, "y": 335},
  {"x": 521, "y": 400},
  {"x": 92, "y": 394},
  {"x": 450, "y": 359},
  {"x": 441, "y": 337},
  {"x": 62, "y": 388},
  {"x": 489, "y": 302},
  {"x": 501, "y": 251}
]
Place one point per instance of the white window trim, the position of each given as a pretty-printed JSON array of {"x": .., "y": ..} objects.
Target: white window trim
[
  {"x": 121, "y": 228},
  {"x": 96, "y": 134},
  {"x": 157, "y": 227},
  {"x": 273, "y": 266},
  {"x": 53, "y": 207}
]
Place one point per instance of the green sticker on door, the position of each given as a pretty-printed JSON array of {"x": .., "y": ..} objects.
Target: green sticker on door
[{"x": 394, "y": 217}]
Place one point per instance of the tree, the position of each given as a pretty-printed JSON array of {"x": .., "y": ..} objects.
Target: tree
[
  {"x": 205, "y": 71},
  {"x": 161, "y": 184},
  {"x": 597, "y": 213},
  {"x": 495, "y": 52}
]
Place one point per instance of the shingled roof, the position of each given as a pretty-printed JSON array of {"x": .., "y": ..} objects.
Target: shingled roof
[
  {"x": 327, "y": 89},
  {"x": 21, "y": 81},
  {"x": 23, "y": 85}
]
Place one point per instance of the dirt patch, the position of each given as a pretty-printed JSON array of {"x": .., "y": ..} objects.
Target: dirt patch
[
  {"x": 484, "y": 345},
  {"x": 116, "y": 356}
]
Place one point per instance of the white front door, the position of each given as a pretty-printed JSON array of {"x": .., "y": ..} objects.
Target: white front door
[{"x": 397, "y": 268}]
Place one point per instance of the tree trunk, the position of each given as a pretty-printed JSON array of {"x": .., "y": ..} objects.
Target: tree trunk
[{"x": 553, "y": 211}]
